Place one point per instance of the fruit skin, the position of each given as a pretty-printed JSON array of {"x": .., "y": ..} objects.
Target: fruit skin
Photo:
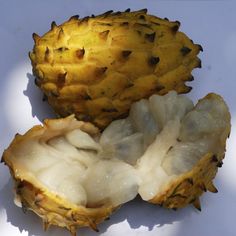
[
  {"x": 96, "y": 67},
  {"x": 188, "y": 187},
  {"x": 53, "y": 209}
]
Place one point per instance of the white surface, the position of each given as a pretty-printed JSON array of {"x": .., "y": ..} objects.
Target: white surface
[{"x": 210, "y": 23}]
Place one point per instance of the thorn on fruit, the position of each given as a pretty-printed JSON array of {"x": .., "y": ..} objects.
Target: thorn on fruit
[
  {"x": 37, "y": 81},
  {"x": 46, "y": 225},
  {"x": 199, "y": 64},
  {"x": 153, "y": 60},
  {"x": 80, "y": 53},
  {"x": 190, "y": 180},
  {"x": 219, "y": 164},
  {"x": 61, "y": 34},
  {"x": 36, "y": 38},
  {"x": 175, "y": 28},
  {"x": 188, "y": 89},
  {"x": 100, "y": 71},
  {"x": 144, "y": 10},
  {"x": 45, "y": 98},
  {"x": 185, "y": 50},
  {"x": 75, "y": 17},
  {"x": 47, "y": 55},
  {"x": 116, "y": 13},
  {"x": 126, "y": 53},
  {"x": 124, "y": 23},
  {"x": 93, "y": 226},
  {"x": 61, "y": 79},
  {"x": 190, "y": 78},
  {"x": 72, "y": 230},
  {"x": 200, "y": 47},
  {"x": 150, "y": 37},
  {"x": 107, "y": 13},
  {"x": 53, "y": 25},
  {"x": 104, "y": 34},
  {"x": 203, "y": 187},
  {"x": 214, "y": 158},
  {"x": 197, "y": 204},
  {"x": 212, "y": 188},
  {"x": 142, "y": 17}
]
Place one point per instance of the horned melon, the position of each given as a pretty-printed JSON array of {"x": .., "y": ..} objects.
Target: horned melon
[
  {"x": 97, "y": 66},
  {"x": 167, "y": 150}
]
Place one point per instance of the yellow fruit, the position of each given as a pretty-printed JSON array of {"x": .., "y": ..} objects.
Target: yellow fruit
[
  {"x": 167, "y": 150},
  {"x": 96, "y": 67}
]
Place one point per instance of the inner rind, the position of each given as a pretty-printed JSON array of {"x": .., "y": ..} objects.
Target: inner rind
[{"x": 163, "y": 137}]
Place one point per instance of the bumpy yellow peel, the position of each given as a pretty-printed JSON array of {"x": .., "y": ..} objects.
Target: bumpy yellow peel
[{"x": 96, "y": 67}]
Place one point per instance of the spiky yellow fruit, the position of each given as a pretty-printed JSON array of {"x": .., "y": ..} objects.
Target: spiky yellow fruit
[
  {"x": 167, "y": 150},
  {"x": 96, "y": 67}
]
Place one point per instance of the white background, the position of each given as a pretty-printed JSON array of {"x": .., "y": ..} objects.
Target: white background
[{"x": 210, "y": 23}]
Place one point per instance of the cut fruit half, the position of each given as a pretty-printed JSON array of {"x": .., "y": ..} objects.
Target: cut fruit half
[{"x": 167, "y": 150}]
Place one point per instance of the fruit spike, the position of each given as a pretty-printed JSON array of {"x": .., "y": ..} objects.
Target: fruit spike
[
  {"x": 107, "y": 13},
  {"x": 126, "y": 53},
  {"x": 212, "y": 188},
  {"x": 84, "y": 20},
  {"x": 185, "y": 50},
  {"x": 61, "y": 34},
  {"x": 175, "y": 28},
  {"x": 197, "y": 204},
  {"x": 93, "y": 226},
  {"x": 46, "y": 226},
  {"x": 74, "y": 18},
  {"x": 220, "y": 164},
  {"x": 104, "y": 34},
  {"x": 153, "y": 60},
  {"x": 144, "y": 11},
  {"x": 202, "y": 186},
  {"x": 73, "y": 231},
  {"x": 47, "y": 55},
  {"x": 36, "y": 38},
  {"x": 199, "y": 64},
  {"x": 150, "y": 37},
  {"x": 190, "y": 180},
  {"x": 100, "y": 71},
  {"x": 80, "y": 53},
  {"x": 214, "y": 158},
  {"x": 53, "y": 25},
  {"x": 200, "y": 47}
]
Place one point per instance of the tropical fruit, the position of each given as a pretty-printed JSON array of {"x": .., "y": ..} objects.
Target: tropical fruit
[
  {"x": 167, "y": 150},
  {"x": 97, "y": 66}
]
